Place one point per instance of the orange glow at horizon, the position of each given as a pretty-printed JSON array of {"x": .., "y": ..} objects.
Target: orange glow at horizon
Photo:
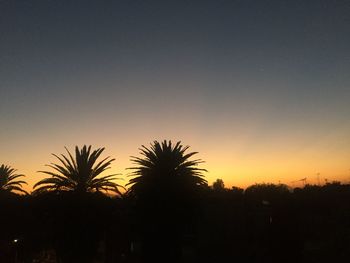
[{"x": 235, "y": 166}]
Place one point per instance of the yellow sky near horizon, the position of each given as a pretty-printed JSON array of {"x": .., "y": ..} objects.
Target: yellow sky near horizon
[{"x": 236, "y": 165}]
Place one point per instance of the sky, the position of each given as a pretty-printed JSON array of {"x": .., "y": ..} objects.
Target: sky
[{"x": 260, "y": 89}]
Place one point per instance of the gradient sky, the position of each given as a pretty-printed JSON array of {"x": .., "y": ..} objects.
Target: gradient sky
[{"x": 261, "y": 89}]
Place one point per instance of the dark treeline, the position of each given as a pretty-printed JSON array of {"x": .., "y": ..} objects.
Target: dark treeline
[{"x": 168, "y": 214}]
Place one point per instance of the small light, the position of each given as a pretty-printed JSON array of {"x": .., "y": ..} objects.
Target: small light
[{"x": 15, "y": 240}]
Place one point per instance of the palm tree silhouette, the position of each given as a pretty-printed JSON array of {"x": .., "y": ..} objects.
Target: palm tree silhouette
[
  {"x": 165, "y": 183},
  {"x": 79, "y": 174},
  {"x": 165, "y": 166},
  {"x": 8, "y": 180}
]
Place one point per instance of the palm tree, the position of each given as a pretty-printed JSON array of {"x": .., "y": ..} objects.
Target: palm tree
[
  {"x": 79, "y": 174},
  {"x": 165, "y": 166},
  {"x": 8, "y": 182},
  {"x": 164, "y": 181}
]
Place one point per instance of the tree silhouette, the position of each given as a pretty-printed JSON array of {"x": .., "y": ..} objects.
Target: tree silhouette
[
  {"x": 219, "y": 185},
  {"x": 164, "y": 182},
  {"x": 79, "y": 174},
  {"x": 8, "y": 182},
  {"x": 165, "y": 166}
]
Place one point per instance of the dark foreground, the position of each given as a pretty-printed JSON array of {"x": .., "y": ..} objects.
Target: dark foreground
[{"x": 266, "y": 223}]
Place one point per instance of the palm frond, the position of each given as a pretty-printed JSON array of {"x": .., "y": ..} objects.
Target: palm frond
[
  {"x": 79, "y": 173},
  {"x": 8, "y": 180},
  {"x": 164, "y": 161}
]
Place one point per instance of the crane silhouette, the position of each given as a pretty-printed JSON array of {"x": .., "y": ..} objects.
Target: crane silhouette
[{"x": 303, "y": 180}]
